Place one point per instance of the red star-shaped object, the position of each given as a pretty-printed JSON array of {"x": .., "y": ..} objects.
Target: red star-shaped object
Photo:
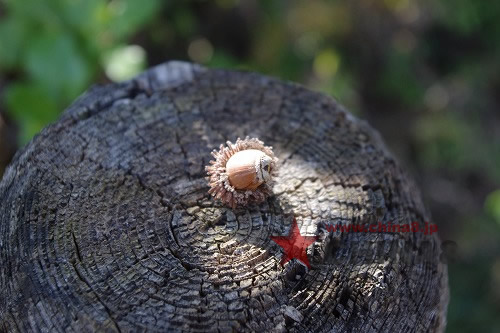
[{"x": 295, "y": 245}]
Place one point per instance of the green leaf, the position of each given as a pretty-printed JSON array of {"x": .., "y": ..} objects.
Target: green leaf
[
  {"x": 129, "y": 15},
  {"x": 13, "y": 32},
  {"x": 81, "y": 14},
  {"x": 31, "y": 107},
  {"x": 54, "y": 61},
  {"x": 492, "y": 205},
  {"x": 39, "y": 12}
]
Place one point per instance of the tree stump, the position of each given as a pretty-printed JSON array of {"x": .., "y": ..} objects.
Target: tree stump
[{"x": 106, "y": 224}]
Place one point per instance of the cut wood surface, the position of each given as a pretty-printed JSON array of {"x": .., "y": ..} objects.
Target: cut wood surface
[{"x": 106, "y": 223}]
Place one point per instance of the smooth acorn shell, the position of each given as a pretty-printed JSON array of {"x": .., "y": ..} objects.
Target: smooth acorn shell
[{"x": 241, "y": 169}]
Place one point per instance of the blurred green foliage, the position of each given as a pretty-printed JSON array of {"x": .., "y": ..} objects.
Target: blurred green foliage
[
  {"x": 57, "y": 47},
  {"x": 425, "y": 73}
]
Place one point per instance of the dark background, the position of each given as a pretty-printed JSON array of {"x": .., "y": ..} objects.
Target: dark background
[{"x": 425, "y": 73}]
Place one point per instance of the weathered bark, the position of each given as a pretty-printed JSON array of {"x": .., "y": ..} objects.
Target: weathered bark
[{"x": 106, "y": 224}]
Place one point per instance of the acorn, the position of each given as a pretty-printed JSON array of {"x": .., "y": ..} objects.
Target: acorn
[
  {"x": 242, "y": 173},
  {"x": 248, "y": 169}
]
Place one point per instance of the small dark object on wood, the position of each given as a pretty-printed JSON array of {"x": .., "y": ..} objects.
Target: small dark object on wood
[{"x": 106, "y": 223}]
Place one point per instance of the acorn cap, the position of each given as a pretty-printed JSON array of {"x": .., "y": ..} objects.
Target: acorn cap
[{"x": 242, "y": 172}]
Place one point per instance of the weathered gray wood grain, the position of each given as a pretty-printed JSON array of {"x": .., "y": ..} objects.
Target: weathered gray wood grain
[{"x": 106, "y": 224}]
